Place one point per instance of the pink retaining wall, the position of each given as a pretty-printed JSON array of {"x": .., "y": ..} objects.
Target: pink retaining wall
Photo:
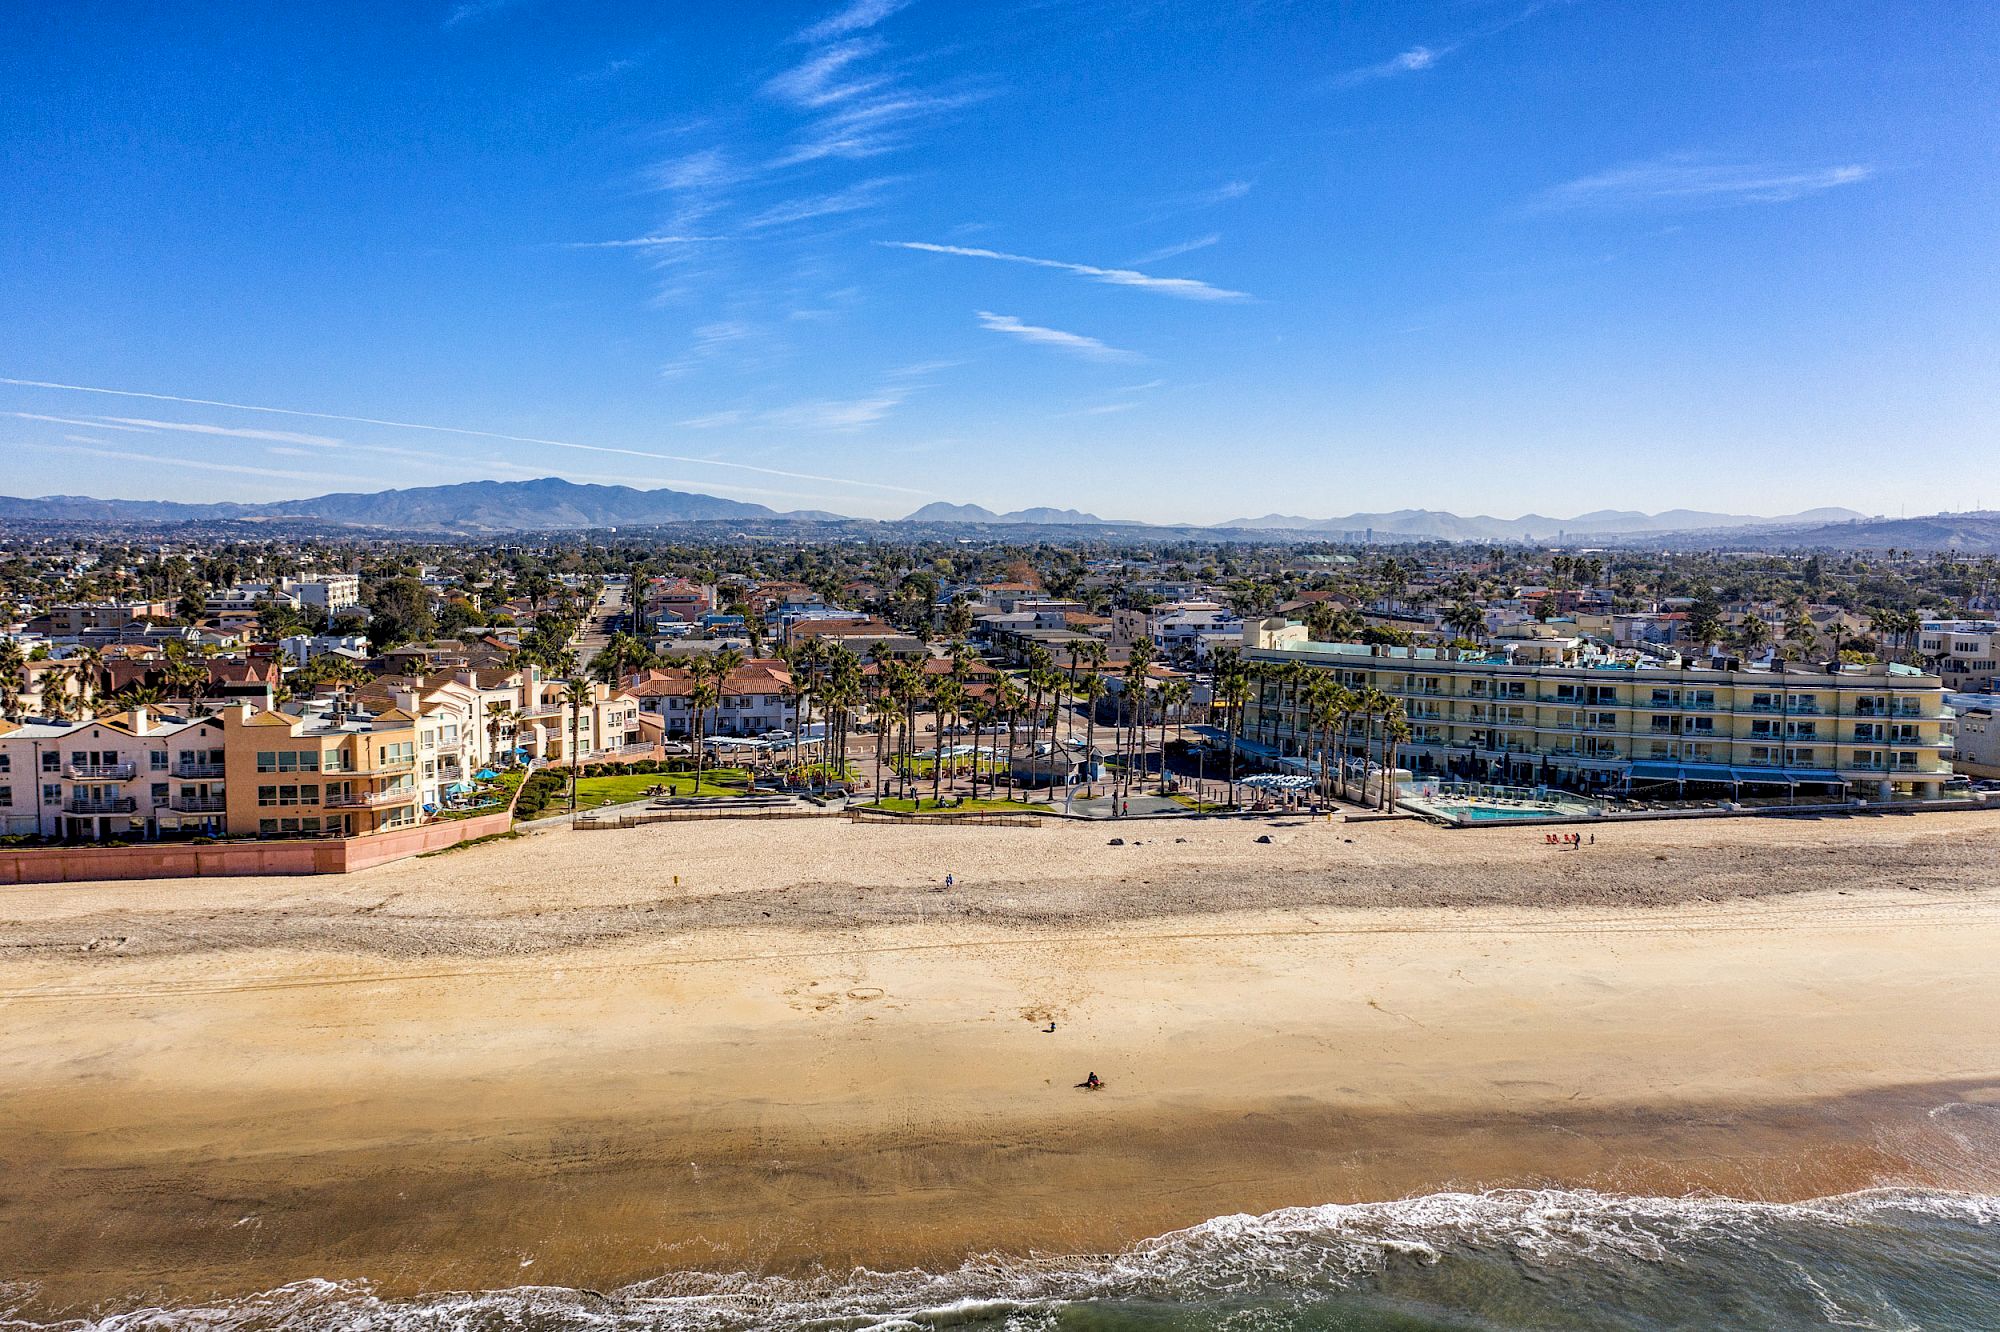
[{"x": 166, "y": 860}]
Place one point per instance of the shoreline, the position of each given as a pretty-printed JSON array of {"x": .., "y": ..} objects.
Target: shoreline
[{"x": 545, "y": 1062}]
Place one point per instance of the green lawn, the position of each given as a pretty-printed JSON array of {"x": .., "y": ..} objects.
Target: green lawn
[
  {"x": 929, "y": 806},
  {"x": 595, "y": 792},
  {"x": 922, "y": 766},
  {"x": 494, "y": 797}
]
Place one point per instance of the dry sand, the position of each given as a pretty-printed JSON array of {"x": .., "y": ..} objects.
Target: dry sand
[{"x": 548, "y": 1061}]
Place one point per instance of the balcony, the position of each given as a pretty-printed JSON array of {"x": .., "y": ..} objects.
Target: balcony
[
  {"x": 104, "y": 805},
  {"x": 372, "y": 799},
  {"x": 199, "y": 772},
  {"x": 200, "y": 805},
  {"x": 379, "y": 770},
  {"x": 544, "y": 710},
  {"x": 100, "y": 772}
]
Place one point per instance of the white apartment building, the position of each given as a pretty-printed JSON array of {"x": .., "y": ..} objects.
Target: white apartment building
[
  {"x": 1975, "y": 735},
  {"x": 1965, "y": 652},
  {"x": 754, "y": 699},
  {"x": 130, "y": 775},
  {"x": 1177, "y": 628}
]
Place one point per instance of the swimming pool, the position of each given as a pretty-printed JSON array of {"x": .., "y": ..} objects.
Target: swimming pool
[
  {"x": 1464, "y": 802},
  {"x": 1496, "y": 813}
]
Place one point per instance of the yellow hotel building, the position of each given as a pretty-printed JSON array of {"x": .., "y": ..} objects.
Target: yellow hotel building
[{"x": 1542, "y": 716}]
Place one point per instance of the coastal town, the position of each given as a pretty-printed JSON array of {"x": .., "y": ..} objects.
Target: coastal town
[{"x": 286, "y": 691}]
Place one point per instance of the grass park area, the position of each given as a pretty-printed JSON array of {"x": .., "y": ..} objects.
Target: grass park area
[{"x": 596, "y": 792}]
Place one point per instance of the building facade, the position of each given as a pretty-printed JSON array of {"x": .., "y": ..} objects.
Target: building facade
[{"x": 1549, "y": 718}]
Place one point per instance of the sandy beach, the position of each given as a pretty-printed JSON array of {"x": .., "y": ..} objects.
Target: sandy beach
[{"x": 589, "y": 1058}]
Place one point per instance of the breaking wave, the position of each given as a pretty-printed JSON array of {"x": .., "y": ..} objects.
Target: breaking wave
[{"x": 1899, "y": 1259}]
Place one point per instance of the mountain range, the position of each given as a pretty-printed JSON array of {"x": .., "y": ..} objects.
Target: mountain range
[
  {"x": 973, "y": 513},
  {"x": 553, "y": 504},
  {"x": 472, "y": 506},
  {"x": 1429, "y": 523}
]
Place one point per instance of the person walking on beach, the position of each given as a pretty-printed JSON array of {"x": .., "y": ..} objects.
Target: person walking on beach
[{"x": 950, "y": 882}]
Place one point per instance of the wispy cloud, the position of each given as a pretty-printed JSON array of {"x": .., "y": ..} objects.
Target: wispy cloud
[
  {"x": 639, "y": 243},
  {"x": 461, "y": 431},
  {"x": 841, "y": 415},
  {"x": 1175, "y": 251},
  {"x": 230, "y": 432},
  {"x": 92, "y": 423},
  {"x": 1687, "y": 182},
  {"x": 471, "y": 11},
  {"x": 1419, "y": 58},
  {"x": 819, "y": 80},
  {"x": 193, "y": 464},
  {"x": 871, "y": 127},
  {"x": 1409, "y": 62},
  {"x": 853, "y": 199},
  {"x": 856, "y": 17},
  {"x": 1075, "y": 344},
  {"x": 1186, "y": 288}
]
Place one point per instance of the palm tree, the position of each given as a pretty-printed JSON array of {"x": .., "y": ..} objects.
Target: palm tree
[
  {"x": 1174, "y": 695},
  {"x": 947, "y": 701},
  {"x": 87, "y": 667},
  {"x": 1092, "y": 691},
  {"x": 1233, "y": 691},
  {"x": 1373, "y": 703},
  {"x": 704, "y": 692},
  {"x": 1465, "y": 620},
  {"x": 1395, "y": 734},
  {"x": 1053, "y": 688},
  {"x": 576, "y": 696},
  {"x": 1137, "y": 666},
  {"x": 1008, "y": 700},
  {"x": 13, "y": 662}
]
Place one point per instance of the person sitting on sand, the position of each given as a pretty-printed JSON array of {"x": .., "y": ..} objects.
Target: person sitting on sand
[{"x": 1091, "y": 1083}]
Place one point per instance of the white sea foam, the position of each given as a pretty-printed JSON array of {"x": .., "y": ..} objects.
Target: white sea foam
[{"x": 1300, "y": 1251}]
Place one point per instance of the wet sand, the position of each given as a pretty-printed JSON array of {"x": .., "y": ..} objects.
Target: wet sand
[{"x": 545, "y": 1061}]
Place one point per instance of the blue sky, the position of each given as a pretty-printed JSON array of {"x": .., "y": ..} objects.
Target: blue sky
[{"x": 1172, "y": 261}]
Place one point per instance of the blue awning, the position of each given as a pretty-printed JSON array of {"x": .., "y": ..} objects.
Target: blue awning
[{"x": 1688, "y": 772}]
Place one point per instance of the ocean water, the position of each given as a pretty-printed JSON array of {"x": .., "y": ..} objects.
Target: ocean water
[{"x": 1890, "y": 1259}]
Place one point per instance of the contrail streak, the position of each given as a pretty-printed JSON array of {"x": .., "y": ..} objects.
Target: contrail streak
[{"x": 460, "y": 430}]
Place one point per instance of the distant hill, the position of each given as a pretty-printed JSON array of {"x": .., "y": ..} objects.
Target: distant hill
[
  {"x": 1973, "y": 533},
  {"x": 1437, "y": 525},
  {"x": 972, "y": 513},
  {"x": 553, "y": 504},
  {"x": 472, "y": 506},
  {"x": 518, "y": 505}
]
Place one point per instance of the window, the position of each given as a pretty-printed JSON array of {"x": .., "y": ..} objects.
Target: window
[
  {"x": 159, "y": 793},
  {"x": 157, "y": 760},
  {"x": 51, "y": 793},
  {"x": 6, "y": 797},
  {"x": 267, "y": 827},
  {"x": 51, "y": 762},
  {"x": 6, "y": 763},
  {"x": 288, "y": 760}
]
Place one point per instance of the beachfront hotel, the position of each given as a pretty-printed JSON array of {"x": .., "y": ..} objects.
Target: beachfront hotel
[{"x": 1553, "y": 711}]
